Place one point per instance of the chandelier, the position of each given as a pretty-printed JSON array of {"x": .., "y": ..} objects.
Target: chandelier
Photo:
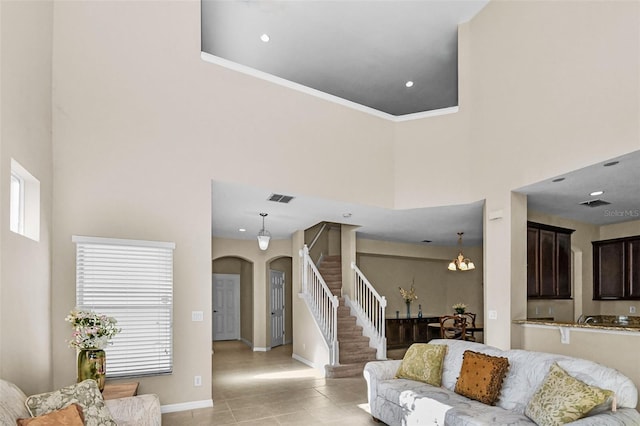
[
  {"x": 461, "y": 263},
  {"x": 263, "y": 236}
]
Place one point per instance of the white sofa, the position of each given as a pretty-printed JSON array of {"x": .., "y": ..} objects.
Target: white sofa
[
  {"x": 407, "y": 402},
  {"x": 141, "y": 410}
]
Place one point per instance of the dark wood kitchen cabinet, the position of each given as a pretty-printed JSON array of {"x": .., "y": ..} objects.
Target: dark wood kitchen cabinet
[
  {"x": 616, "y": 269},
  {"x": 548, "y": 261}
]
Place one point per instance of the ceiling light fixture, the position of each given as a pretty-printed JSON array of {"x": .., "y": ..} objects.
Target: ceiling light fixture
[
  {"x": 461, "y": 263},
  {"x": 263, "y": 236},
  {"x": 409, "y": 83},
  {"x": 596, "y": 193},
  {"x": 265, "y": 38},
  {"x": 242, "y": 230}
]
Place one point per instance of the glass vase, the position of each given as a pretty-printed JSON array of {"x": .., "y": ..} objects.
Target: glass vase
[
  {"x": 92, "y": 365},
  {"x": 408, "y": 309}
]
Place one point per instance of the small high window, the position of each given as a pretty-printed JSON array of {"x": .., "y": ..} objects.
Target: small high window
[{"x": 24, "y": 217}]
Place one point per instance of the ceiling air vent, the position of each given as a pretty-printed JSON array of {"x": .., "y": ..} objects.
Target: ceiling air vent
[
  {"x": 279, "y": 198},
  {"x": 594, "y": 203}
]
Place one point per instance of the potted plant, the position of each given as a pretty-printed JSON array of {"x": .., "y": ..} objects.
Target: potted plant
[{"x": 92, "y": 333}]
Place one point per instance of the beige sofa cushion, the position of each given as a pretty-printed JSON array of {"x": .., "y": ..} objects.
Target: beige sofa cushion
[{"x": 11, "y": 403}]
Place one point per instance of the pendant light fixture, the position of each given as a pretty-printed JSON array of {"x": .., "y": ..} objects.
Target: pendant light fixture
[
  {"x": 263, "y": 236},
  {"x": 461, "y": 263}
]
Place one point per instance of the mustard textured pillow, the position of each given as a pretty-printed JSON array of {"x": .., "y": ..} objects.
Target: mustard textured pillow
[
  {"x": 481, "y": 376},
  {"x": 562, "y": 398},
  {"x": 69, "y": 416},
  {"x": 423, "y": 362}
]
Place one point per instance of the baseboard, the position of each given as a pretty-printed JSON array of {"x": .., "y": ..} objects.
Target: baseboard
[
  {"x": 309, "y": 363},
  {"x": 260, "y": 349},
  {"x": 184, "y": 406},
  {"x": 246, "y": 342}
]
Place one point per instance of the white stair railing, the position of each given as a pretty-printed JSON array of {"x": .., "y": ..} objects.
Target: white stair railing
[
  {"x": 322, "y": 304},
  {"x": 369, "y": 308}
]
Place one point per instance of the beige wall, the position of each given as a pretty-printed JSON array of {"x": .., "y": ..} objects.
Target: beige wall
[
  {"x": 25, "y": 135},
  {"x": 389, "y": 265},
  {"x": 141, "y": 125},
  {"x": 613, "y": 349}
]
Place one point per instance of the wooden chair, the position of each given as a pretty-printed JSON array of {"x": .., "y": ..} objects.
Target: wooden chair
[
  {"x": 453, "y": 327},
  {"x": 471, "y": 321}
]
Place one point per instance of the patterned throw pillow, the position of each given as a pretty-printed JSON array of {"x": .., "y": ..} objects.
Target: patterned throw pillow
[
  {"x": 86, "y": 394},
  {"x": 69, "y": 416},
  {"x": 481, "y": 376},
  {"x": 562, "y": 398},
  {"x": 423, "y": 362}
]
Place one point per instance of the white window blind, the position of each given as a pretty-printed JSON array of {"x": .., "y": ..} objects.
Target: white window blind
[{"x": 131, "y": 281}]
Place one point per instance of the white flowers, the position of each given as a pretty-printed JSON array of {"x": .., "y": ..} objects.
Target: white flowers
[
  {"x": 460, "y": 308},
  {"x": 408, "y": 296},
  {"x": 91, "y": 330}
]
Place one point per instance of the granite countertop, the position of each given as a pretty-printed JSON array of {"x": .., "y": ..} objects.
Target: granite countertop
[{"x": 601, "y": 326}]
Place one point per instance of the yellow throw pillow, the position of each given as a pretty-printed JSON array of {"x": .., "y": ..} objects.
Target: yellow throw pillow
[
  {"x": 68, "y": 416},
  {"x": 481, "y": 376},
  {"x": 423, "y": 362},
  {"x": 562, "y": 398}
]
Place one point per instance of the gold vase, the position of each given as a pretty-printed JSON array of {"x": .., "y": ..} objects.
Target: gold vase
[{"x": 92, "y": 365}]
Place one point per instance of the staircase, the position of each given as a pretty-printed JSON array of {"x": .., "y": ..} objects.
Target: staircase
[{"x": 355, "y": 351}]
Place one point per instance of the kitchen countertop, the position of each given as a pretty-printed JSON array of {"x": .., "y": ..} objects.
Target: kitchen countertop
[{"x": 601, "y": 326}]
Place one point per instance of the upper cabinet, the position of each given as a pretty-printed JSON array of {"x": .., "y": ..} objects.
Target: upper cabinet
[
  {"x": 548, "y": 261},
  {"x": 616, "y": 269}
]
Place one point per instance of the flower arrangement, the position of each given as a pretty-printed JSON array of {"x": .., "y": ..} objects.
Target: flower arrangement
[
  {"x": 459, "y": 308},
  {"x": 91, "y": 330},
  {"x": 410, "y": 295}
]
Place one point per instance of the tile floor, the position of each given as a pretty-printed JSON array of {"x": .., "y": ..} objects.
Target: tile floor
[{"x": 271, "y": 388}]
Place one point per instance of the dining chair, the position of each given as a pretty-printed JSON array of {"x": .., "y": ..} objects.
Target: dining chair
[
  {"x": 453, "y": 327},
  {"x": 471, "y": 321}
]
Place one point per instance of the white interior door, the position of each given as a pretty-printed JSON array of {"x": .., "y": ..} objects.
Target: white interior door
[
  {"x": 277, "y": 308},
  {"x": 226, "y": 307}
]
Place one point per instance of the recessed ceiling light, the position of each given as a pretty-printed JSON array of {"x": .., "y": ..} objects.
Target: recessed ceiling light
[
  {"x": 265, "y": 38},
  {"x": 595, "y": 193},
  {"x": 611, "y": 163},
  {"x": 558, "y": 180},
  {"x": 409, "y": 83},
  {"x": 242, "y": 230}
]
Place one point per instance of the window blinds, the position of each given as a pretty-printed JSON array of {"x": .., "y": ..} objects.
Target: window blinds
[{"x": 131, "y": 281}]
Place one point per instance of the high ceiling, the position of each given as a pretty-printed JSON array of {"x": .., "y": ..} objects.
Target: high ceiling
[
  {"x": 236, "y": 206},
  {"x": 362, "y": 53},
  {"x": 389, "y": 43}
]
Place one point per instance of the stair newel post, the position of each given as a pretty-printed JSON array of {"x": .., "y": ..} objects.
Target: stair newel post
[
  {"x": 336, "y": 350},
  {"x": 303, "y": 254},
  {"x": 382, "y": 349}
]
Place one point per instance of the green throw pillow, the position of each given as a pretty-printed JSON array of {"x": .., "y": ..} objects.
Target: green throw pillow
[
  {"x": 423, "y": 362},
  {"x": 86, "y": 394},
  {"x": 562, "y": 399}
]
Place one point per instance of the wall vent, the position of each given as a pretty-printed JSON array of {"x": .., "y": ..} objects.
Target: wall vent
[
  {"x": 279, "y": 198},
  {"x": 594, "y": 203}
]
